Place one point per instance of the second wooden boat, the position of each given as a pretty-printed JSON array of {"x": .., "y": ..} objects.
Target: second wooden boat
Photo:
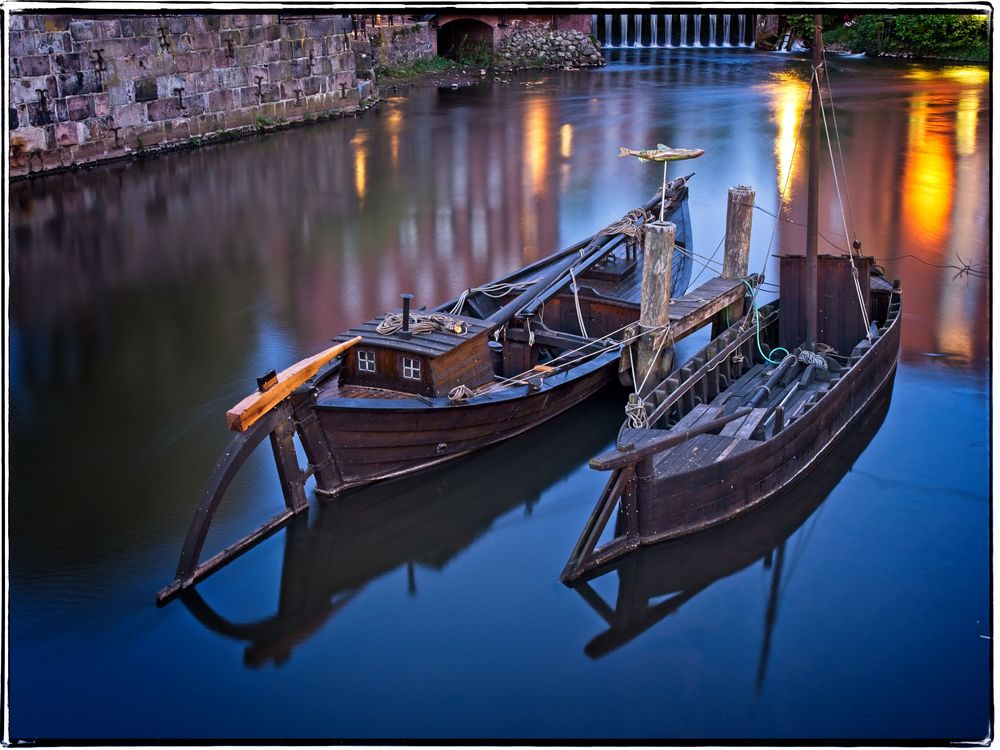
[{"x": 759, "y": 407}]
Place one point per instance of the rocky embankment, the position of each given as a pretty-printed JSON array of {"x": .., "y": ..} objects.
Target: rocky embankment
[{"x": 540, "y": 47}]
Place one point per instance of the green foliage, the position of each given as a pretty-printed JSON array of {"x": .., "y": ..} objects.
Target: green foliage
[
  {"x": 802, "y": 25},
  {"x": 952, "y": 35},
  {"x": 415, "y": 68},
  {"x": 264, "y": 122},
  {"x": 474, "y": 54}
]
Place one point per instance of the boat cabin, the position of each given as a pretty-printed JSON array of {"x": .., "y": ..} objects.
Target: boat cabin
[
  {"x": 425, "y": 364},
  {"x": 839, "y": 321}
]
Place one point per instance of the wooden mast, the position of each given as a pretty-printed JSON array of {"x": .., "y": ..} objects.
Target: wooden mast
[{"x": 812, "y": 230}]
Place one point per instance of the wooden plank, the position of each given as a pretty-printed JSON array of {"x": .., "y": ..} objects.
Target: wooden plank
[
  {"x": 745, "y": 428},
  {"x": 700, "y": 413},
  {"x": 705, "y": 301},
  {"x": 743, "y": 386},
  {"x": 659, "y": 441},
  {"x": 257, "y": 404},
  {"x": 735, "y": 446},
  {"x": 226, "y": 556}
]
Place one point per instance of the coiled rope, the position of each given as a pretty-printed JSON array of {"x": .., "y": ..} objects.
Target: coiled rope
[
  {"x": 421, "y": 323},
  {"x": 629, "y": 225},
  {"x": 635, "y": 409}
]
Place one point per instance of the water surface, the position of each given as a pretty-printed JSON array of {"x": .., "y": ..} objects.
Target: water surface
[{"x": 146, "y": 297}]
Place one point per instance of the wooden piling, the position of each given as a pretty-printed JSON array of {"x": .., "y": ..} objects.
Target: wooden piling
[
  {"x": 651, "y": 351},
  {"x": 736, "y": 261},
  {"x": 739, "y": 218}
]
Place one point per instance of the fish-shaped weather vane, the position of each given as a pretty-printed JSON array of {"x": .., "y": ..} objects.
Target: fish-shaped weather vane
[{"x": 664, "y": 154}]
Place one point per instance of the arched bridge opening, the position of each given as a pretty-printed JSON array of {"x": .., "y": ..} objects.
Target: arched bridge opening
[{"x": 462, "y": 37}]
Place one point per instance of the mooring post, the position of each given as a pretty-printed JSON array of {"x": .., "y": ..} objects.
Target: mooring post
[
  {"x": 736, "y": 261},
  {"x": 739, "y": 217},
  {"x": 654, "y": 357}
]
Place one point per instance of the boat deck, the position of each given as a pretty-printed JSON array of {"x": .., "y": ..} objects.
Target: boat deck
[
  {"x": 687, "y": 313},
  {"x": 333, "y": 389},
  {"x": 746, "y": 432}
]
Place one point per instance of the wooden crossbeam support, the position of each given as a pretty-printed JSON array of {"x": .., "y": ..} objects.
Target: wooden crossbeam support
[{"x": 257, "y": 404}]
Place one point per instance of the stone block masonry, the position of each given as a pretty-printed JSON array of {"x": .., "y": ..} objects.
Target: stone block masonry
[
  {"x": 87, "y": 88},
  {"x": 401, "y": 44}
]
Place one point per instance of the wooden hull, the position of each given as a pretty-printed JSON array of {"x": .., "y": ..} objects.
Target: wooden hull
[
  {"x": 332, "y": 555},
  {"x": 678, "y": 505},
  {"x": 671, "y": 483},
  {"x": 655, "y": 581},
  {"x": 372, "y": 439}
]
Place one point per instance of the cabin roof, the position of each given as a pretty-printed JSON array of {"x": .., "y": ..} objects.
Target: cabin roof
[{"x": 425, "y": 344}]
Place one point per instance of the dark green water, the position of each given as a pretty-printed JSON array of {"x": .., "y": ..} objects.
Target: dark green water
[{"x": 146, "y": 297}]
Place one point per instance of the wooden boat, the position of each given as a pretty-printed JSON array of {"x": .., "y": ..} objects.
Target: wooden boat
[
  {"x": 734, "y": 426},
  {"x": 409, "y": 390},
  {"x": 330, "y": 557},
  {"x": 656, "y": 580},
  {"x": 489, "y": 365}
]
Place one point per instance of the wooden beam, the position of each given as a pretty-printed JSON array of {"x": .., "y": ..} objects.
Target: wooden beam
[
  {"x": 654, "y": 311},
  {"x": 710, "y": 297},
  {"x": 651, "y": 442},
  {"x": 257, "y": 404},
  {"x": 739, "y": 218}
]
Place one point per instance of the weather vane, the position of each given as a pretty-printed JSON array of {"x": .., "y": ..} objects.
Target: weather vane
[{"x": 664, "y": 154}]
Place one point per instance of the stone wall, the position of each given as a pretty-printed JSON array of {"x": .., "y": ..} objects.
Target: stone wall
[
  {"x": 543, "y": 47},
  {"x": 400, "y": 44},
  {"x": 86, "y": 88},
  {"x": 504, "y": 25}
]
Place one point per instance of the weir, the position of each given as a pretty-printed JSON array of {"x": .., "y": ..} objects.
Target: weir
[{"x": 632, "y": 31}]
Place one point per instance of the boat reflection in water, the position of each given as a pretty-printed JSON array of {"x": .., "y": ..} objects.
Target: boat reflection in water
[
  {"x": 680, "y": 570},
  {"x": 373, "y": 531}
]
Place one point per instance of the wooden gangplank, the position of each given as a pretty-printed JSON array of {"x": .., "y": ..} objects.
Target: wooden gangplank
[{"x": 698, "y": 307}]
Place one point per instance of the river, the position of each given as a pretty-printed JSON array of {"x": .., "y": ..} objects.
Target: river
[{"x": 146, "y": 297}]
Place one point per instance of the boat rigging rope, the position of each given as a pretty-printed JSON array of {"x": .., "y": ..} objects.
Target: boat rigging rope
[
  {"x": 576, "y": 301},
  {"x": 606, "y": 344},
  {"x": 632, "y": 227},
  {"x": 843, "y": 216},
  {"x": 629, "y": 225},
  {"x": 496, "y": 291},
  {"x": 460, "y": 393},
  {"x": 704, "y": 260},
  {"x": 635, "y": 409},
  {"x": 807, "y": 357},
  {"x": 840, "y": 150},
  {"x": 965, "y": 269},
  {"x": 421, "y": 323}
]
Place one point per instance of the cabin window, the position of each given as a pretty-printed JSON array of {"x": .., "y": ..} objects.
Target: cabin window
[
  {"x": 366, "y": 360},
  {"x": 411, "y": 368}
]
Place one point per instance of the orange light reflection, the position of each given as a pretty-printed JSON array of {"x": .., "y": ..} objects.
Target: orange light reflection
[
  {"x": 394, "y": 118},
  {"x": 359, "y": 141},
  {"x": 536, "y": 137},
  {"x": 789, "y": 94},
  {"x": 928, "y": 177},
  {"x": 566, "y": 141},
  {"x": 965, "y": 123}
]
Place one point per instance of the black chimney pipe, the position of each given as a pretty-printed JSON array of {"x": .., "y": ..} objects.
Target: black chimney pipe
[{"x": 404, "y": 332}]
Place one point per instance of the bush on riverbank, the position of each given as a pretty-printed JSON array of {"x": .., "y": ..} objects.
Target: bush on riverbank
[{"x": 953, "y": 36}]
